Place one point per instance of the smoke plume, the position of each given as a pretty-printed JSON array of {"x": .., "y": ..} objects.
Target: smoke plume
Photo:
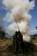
[{"x": 19, "y": 12}]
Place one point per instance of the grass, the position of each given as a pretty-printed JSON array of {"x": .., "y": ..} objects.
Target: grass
[
  {"x": 7, "y": 42},
  {"x": 4, "y": 43}
]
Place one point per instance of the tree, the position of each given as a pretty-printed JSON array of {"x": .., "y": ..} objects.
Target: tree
[
  {"x": 2, "y": 33},
  {"x": 36, "y": 27}
]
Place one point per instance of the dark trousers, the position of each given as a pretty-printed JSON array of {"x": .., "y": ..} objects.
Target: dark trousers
[{"x": 18, "y": 36}]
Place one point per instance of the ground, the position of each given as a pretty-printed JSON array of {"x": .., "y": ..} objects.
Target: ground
[{"x": 5, "y": 51}]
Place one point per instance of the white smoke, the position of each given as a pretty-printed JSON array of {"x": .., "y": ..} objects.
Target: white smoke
[{"x": 19, "y": 11}]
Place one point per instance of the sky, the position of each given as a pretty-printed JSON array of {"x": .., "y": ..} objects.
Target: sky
[
  {"x": 34, "y": 15},
  {"x": 3, "y": 12}
]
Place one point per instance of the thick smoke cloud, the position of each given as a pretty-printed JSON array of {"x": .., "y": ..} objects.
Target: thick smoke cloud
[{"x": 19, "y": 11}]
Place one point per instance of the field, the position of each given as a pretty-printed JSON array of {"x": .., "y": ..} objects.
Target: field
[{"x": 5, "y": 51}]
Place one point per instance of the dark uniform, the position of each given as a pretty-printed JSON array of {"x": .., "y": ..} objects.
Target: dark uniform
[{"x": 19, "y": 41}]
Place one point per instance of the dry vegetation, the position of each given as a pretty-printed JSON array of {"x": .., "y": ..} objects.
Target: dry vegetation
[{"x": 4, "y": 43}]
